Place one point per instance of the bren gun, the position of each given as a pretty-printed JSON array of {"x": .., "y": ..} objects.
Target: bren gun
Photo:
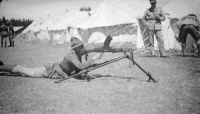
[{"x": 106, "y": 48}]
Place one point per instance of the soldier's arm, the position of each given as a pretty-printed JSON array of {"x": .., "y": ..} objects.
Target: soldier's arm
[
  {"x": 144, "y": 17},
  {"x": 77, "y": 71},
  {"x": 161, "y": 15},
  {"x": 78, "y": 64}
]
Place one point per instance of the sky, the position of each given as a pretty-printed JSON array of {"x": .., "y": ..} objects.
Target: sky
[
  {"x": 40, "y": 9},
  {"x": 36, "y": 9}
]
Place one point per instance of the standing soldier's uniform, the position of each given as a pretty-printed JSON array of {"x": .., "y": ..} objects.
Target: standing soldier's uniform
[
  {"x": 4, "y": 35},
  {"x": 11, "y": 35},
  {"x": 152, "y": 19}
]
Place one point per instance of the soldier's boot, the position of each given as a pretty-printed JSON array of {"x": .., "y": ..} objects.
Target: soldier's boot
[
  {"x": 10, "y": 43},
  {"x": 162, "y": 50},
  {"x": 5, "y": 43},
  {"x": 1, "y": 63},
  {"x": 1, "y": 42},
  {"x": 152, "y": 51},
  {"x": 183, "y": 49}
]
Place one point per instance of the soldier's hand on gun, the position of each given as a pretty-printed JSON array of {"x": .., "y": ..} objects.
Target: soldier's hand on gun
[{"x": 97, "y": 56}]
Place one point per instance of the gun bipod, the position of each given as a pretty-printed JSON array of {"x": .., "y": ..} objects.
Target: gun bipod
[{"x": 135, "y": 63}]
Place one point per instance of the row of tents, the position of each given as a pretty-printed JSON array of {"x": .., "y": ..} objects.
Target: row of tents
[{"x": 109, "y": 19}]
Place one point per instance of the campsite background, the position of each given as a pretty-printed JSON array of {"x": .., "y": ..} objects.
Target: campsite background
[
  {"x": 49, "y": 23},
  {"x": 119, "y": 87}
]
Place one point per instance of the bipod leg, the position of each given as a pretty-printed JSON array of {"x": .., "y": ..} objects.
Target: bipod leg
[{"x": 147, "y": 73}]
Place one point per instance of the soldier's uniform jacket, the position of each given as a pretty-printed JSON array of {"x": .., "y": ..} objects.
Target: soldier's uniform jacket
[
  {"x": 152, "y": 18},
  {"x": 70, "y": 63},
  {"x": 11, "y": 30},
  {"x": 3, "y": 30}
]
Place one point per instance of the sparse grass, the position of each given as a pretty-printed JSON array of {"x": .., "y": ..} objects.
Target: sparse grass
[{"x": 177, "y": 90}]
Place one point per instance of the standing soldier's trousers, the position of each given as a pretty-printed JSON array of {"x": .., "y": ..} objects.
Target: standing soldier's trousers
[
  {"x": 11, "y": 40},
  {"x": 159, "y": 37},
  {"x": 3, "y": 40}
]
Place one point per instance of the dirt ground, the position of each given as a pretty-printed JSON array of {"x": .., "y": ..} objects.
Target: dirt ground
[{"x": 177, "y": 90}]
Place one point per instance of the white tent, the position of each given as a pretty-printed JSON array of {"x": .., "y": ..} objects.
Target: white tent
[
  {"x": 48, "y": 35},
  {"x": 71, "y": 18},
  {"x": 58, "y": 28},
  {"x": 106, "y": 14},
  {"x": 36, "y": 27},
  {"x": 107, "y": 19},
  {"x": 29, "y": 32},
  {"x": 48, "y": 24},
  {"x": 16, "y": 28},
  {"x": 30, "y": 27}
]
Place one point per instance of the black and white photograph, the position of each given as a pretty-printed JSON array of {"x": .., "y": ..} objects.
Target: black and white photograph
[{"x": 100, "y": 57}]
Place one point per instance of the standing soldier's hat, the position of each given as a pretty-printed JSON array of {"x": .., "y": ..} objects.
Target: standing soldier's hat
[{"x": 152, "y": 1}]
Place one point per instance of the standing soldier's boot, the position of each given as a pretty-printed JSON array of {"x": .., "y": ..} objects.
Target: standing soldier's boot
[
  {"x": 162, "y": 50},
  {"x": 13, "y": 44},
  {"x": 10, "y": 43},
  {"x": 1, "y": 42},
  {"x": 1, "y": 63},
  {"x": 5, "y": 42},
  {"x": 152, "y": 51},
  {"x": 183, "y": 49}
]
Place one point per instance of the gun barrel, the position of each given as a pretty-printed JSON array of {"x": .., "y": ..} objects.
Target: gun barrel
[{"x": 113, "y": 50}]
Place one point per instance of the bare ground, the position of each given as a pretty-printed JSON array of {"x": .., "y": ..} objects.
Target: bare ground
[{"x": 177, "y": 90}]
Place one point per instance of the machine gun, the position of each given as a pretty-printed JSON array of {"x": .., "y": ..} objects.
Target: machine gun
[{"x": 106, "y": 48}]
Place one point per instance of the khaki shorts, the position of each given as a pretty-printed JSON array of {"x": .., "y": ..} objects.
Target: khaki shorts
[{"x": 40, "y": 72}]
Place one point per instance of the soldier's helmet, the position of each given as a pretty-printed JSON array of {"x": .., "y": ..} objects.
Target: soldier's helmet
[
  {"x": 152, "y": 1},
  {"x": 75, "y": 42}
]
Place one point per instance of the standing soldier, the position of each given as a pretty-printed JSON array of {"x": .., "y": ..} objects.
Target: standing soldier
[
  {"x": 4, "y": 34},
  {"x": 11, "y": 35},
  {"x": 152, "y": 20}
]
